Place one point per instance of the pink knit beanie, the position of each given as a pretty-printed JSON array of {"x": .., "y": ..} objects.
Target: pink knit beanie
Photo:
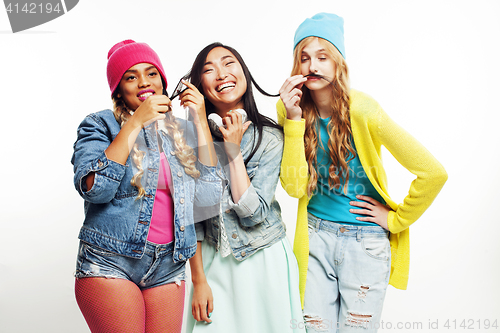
[{"x": 126, "y": 54}]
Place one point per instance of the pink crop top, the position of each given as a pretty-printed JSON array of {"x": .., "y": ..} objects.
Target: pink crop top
[{"x": 161, "y": 230}]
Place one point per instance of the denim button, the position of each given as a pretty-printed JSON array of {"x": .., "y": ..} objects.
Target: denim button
[
  {"x": 182, "y": 200},
  {"x": 182, "y": 228},
  {"x": 100, "y": 164},
  {"x": 179, "y": 174},
  {"x": 243, "y": 253},
  {"x": 181, "y": 256},
  {"x": 228, "y": 211},
  {"x": 235, "y": 236},
  {"x": 172, "y": 152},
  {"x": 342, "y": 230}
]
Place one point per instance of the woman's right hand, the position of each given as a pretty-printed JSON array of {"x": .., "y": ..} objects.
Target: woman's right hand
[
  {"x": 233, "y": 133},
  {"x": 290, "y": 94},
  {"x": 195, "y": 101},
  {"x": 152, "y": 109}
]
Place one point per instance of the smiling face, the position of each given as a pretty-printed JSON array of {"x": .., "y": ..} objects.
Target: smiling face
[
  {"x": 138, "y": 83},
  {"x": 223, "y": 80},
  {"x": 315, "y": 59}
]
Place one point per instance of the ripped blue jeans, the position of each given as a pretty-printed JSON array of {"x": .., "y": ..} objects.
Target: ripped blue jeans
[
  {"x": 155, "y": 268},
  {"x": 347, "y": 277}
]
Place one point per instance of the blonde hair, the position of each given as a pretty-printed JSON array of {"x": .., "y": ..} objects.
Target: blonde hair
[
  {"x": 183, "y": 152},
  {"x": 339, "y": 126}
]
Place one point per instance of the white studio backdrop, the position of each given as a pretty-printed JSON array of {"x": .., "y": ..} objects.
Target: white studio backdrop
[{"x": 432, "y": 65}]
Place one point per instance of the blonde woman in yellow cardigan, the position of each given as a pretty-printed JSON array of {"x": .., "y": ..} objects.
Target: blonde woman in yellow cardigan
[{"x": 352, "y": 239}]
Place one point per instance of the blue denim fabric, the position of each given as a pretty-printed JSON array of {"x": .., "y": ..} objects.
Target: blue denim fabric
[
  {"x": 348, "y": 274},
  {"x": 255, "y": 221},
  {"x": 115, "y": 220},
  {"x": 155, "y": 268}
]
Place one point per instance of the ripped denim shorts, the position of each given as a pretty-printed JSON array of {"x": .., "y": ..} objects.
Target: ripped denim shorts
[{"x": 155, "y": 268}]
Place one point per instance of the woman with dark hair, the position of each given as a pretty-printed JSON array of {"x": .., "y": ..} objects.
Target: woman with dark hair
[{"x": 248, "y": 263}]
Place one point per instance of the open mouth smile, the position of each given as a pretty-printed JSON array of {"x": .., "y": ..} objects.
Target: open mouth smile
[
  {"x": 144, "y": 94},
  {"x": 225, "y": 85}
]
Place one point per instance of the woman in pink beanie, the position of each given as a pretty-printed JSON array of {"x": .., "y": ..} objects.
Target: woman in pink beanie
[{"x": 141, "y": 181}]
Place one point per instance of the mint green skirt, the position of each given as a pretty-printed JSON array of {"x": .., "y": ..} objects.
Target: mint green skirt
[{"x": 259, "y": 294}]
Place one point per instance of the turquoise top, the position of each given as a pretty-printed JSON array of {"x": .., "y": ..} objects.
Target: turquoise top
[{"x": 333, "y": 204}]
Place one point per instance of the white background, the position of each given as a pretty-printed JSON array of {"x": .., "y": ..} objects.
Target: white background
[{"x": 432, "y": 65}]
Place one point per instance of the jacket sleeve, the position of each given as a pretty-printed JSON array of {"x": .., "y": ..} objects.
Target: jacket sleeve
[
  {"x": 294, "y": 173},
  {"x": 430, "y": 174},
  {"x": 93, "y": 138},
  {"x": 209, "y": 189},
  {"x": 255, "y": 203}
]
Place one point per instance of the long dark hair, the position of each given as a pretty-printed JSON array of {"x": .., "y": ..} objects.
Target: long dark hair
[{"x": 250, "y": 106}]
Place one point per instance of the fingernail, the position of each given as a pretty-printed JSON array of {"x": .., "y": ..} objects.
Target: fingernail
[
  {"x": 210, "y": 314},
  {"x": 351, "y": 210}
]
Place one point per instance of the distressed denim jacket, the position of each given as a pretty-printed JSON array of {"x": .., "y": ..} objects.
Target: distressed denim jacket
[
  {"x": 115, "y": 218},
  {"x": 255, "y": 221}
]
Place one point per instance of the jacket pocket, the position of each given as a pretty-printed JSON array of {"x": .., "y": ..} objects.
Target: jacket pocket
[{"x": 98, "y": 251}]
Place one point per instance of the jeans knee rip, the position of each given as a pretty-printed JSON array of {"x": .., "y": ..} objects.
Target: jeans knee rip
[
  {"x": 363, "y": 291},
  {"x": 316, "y": 323},
  {"x": 357, "y": 320}
]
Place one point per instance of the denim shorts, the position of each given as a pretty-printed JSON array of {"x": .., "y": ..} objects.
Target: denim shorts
[{"x": 155, "y": 268}]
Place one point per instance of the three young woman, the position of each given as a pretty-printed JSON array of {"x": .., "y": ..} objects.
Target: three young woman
[
  {"x": 141, "y": 181},
  {"x": 250, "y": 279},
  {"x": 137, "y": 172},
  {"x": 351, "y": 238}
]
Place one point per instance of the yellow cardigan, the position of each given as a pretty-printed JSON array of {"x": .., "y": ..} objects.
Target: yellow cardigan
[{"x": 371, "y": 128}]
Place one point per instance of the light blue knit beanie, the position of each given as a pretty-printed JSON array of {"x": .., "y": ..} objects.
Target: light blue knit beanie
[{"x": 324, "y": 25}]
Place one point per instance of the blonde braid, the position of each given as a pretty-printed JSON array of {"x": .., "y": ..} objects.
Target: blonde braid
[
  {"x": 183, "y": 152},
  {"x": 122, "y": 113}
]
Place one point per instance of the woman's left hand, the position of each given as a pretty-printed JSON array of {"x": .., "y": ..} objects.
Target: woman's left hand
[
  {"x": 194, "y": 100},
  {"x": 203, "y": 302},
  {"x": 375, "y": 212}
]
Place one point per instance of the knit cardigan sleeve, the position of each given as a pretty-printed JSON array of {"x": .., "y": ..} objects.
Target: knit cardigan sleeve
[
  {"x": 294, "y": 168},
  {"x": 294, "y": 177},
  {"x": 372, "y": 127}
]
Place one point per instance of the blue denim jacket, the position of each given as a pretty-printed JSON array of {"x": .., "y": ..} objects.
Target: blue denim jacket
[
  {"x": 115, "y": 219},
  {"x": 255, "y": 221}
]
